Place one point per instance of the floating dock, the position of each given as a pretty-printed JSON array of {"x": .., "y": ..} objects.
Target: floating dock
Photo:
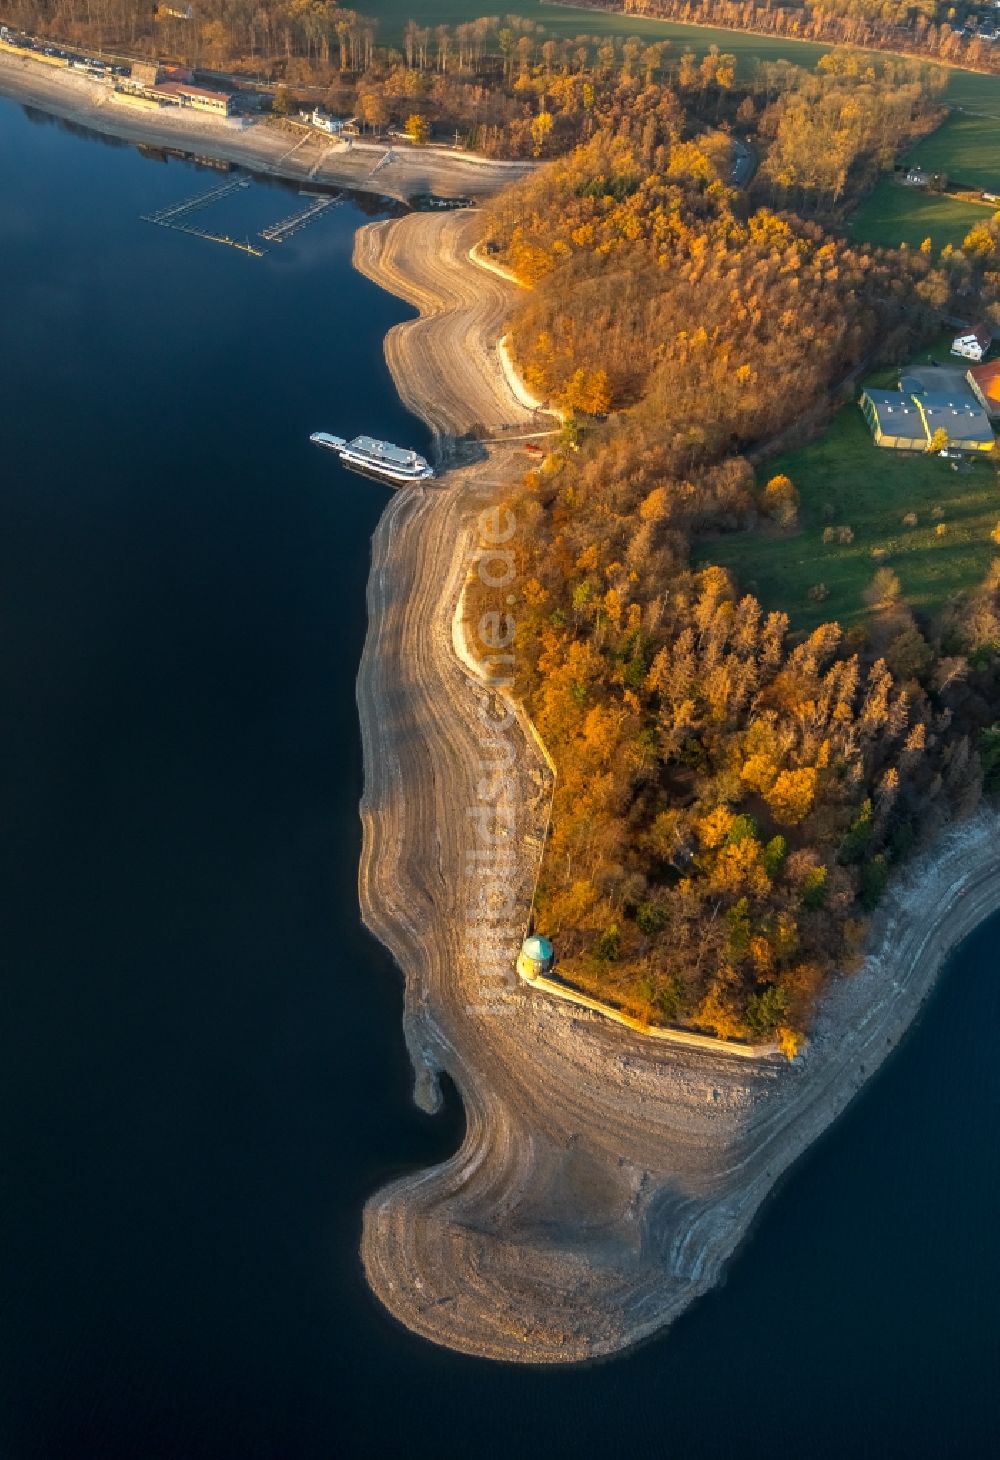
[
  {"x": 278, "y": 232},
  {"x": 192, "y": 205},
  {"x": 176, "y": 214},
  {"x": 242, "y": 245}
]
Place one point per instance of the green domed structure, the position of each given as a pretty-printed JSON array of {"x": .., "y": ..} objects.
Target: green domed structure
[{"x": 536, "y": 957}]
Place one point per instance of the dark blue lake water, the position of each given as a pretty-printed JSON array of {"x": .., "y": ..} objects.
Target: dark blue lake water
[{"x": 202, "y": 1074}]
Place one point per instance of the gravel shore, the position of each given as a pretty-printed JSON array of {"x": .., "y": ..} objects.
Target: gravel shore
[{"x": 604, "y": 1180}]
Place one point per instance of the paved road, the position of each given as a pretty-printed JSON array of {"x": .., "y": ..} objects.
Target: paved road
[{"x": 743, "y": 165}]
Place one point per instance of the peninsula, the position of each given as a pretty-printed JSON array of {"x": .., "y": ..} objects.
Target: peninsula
[
  {"x": 720, "y": 733},
  {"x": 604, "y": 1179}
]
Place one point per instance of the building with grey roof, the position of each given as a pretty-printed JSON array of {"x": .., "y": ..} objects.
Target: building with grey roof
[
  {"x": 960, "y": 416},
  {"x": 894, "y": 419}
]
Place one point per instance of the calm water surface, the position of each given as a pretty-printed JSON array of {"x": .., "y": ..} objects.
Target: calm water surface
[{"x": 201, "y": 1069}]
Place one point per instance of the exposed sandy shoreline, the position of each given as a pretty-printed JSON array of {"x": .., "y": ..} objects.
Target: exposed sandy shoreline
[
  {"x": 262, "y": 147},
  {"x": 604, "y": 1179}
]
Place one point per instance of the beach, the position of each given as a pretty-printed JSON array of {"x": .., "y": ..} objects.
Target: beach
[
  {"x": 604, "y": 1180},
  {"x": 297, "y": 153}
]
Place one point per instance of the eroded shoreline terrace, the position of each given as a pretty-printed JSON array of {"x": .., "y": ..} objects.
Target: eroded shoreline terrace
[{"x": 605, "y": 1178}]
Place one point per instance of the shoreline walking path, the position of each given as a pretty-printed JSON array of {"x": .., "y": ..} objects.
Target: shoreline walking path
[{"x": 604, "y": 1179}]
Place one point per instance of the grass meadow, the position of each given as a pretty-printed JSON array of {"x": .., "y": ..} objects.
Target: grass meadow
[
  {"x": 966, "y": 89},
  {"x": 845, "y": 480},
  {"x": 893, "y": 214},
  {"x": 966, "y": 147},
  {"x": 567, "y": 20}
]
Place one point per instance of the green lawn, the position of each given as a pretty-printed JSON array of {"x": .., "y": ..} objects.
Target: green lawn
[
  {"x": 565, "y": 20},
  {"x": 845, "y": 480},
  {"x": 966, "y": 89},
  {"x": 966, "y": 147},
  {"x": 894, "y": 214},
  {"x": 974, "y": 92}
]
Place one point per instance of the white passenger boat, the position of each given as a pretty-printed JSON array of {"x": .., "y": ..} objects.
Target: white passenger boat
[{"x": 381, "y": 458}]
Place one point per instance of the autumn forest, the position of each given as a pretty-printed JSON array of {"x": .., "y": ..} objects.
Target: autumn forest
[{"x": 732, "y": 796}]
